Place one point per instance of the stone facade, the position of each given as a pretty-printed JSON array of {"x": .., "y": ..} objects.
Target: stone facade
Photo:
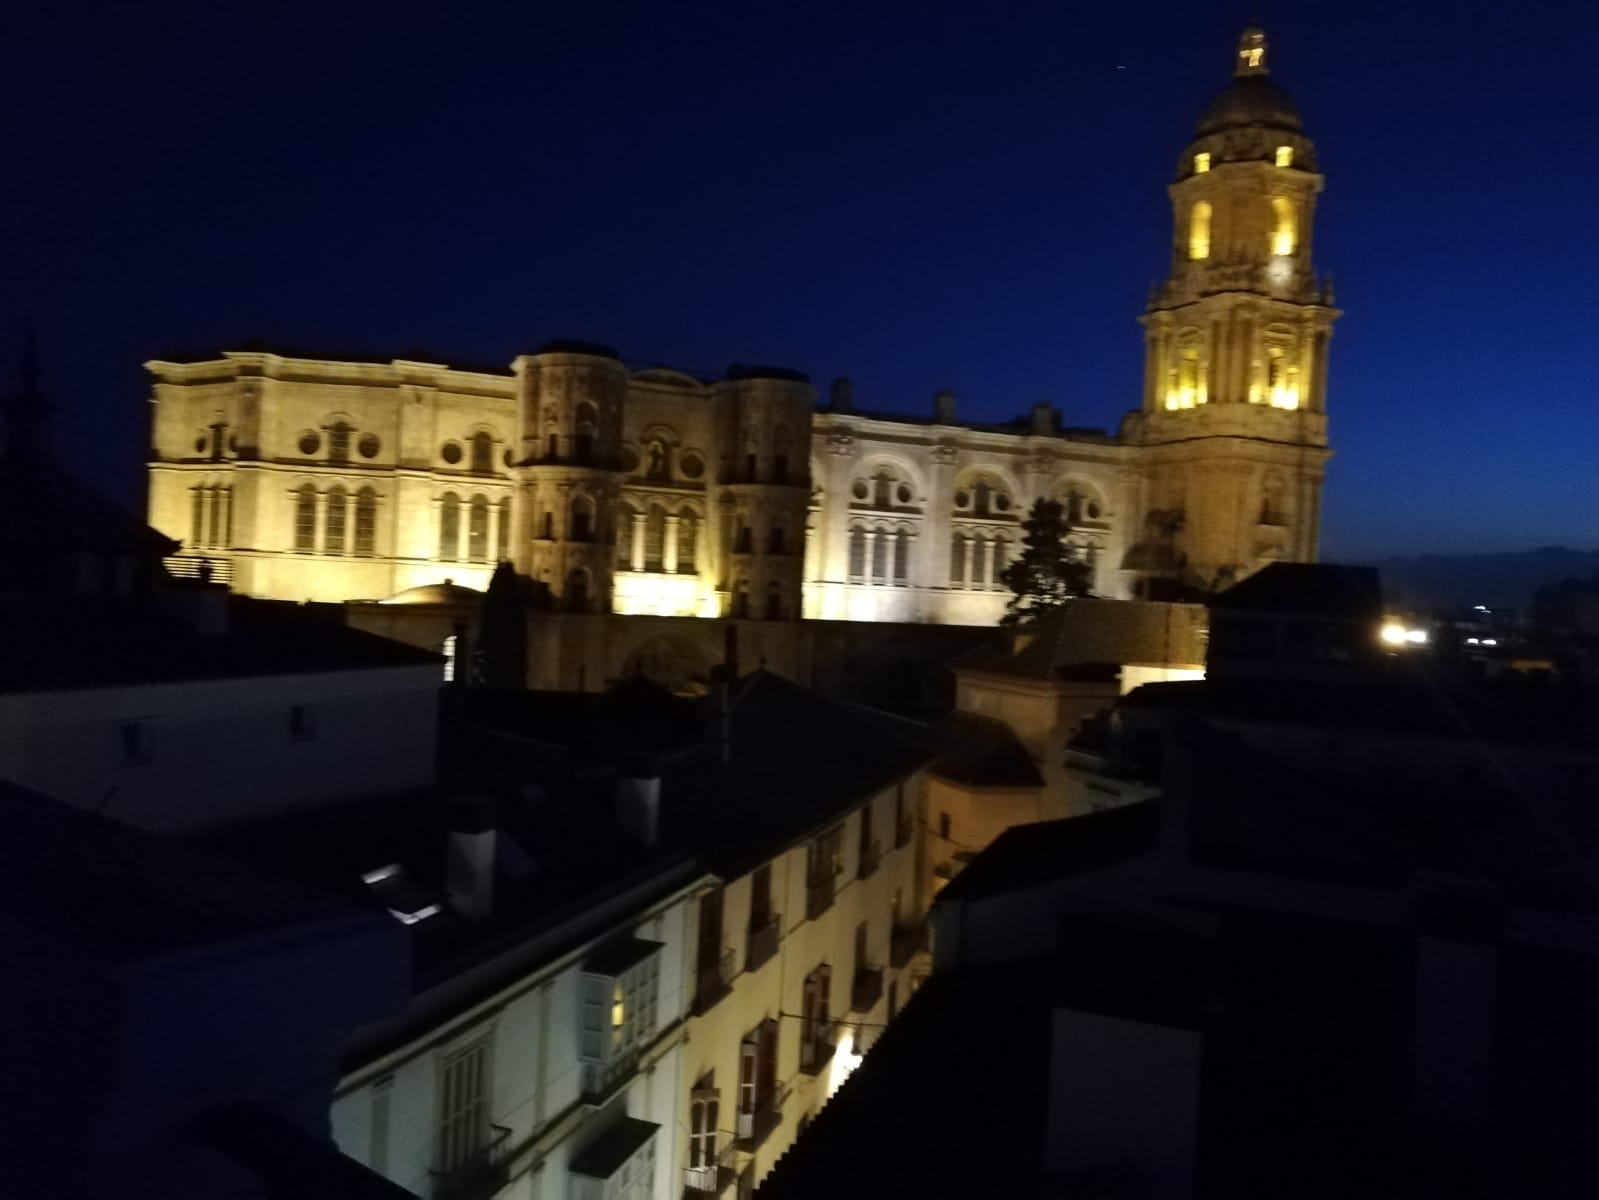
[{"x": 655, "y": 492}]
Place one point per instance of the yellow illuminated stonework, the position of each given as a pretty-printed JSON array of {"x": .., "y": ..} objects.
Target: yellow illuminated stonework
[
  {"x": 1199, "y": 231},
  {"x": 1284, "y": 231}
]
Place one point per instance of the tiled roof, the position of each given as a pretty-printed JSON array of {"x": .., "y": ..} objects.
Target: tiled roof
[{"x": 981, "y": 752}]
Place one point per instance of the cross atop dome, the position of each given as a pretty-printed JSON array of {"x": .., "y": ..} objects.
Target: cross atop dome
[{"x": 1251, "y": 53}]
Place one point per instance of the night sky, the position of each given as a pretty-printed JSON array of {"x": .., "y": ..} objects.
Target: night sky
[{"x": 918, "y": 196}]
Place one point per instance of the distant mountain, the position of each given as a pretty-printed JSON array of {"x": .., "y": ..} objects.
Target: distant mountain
[{"x": 1497, "y": 580}]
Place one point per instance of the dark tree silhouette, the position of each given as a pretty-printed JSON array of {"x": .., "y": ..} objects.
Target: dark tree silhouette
[{"x": 1048, "y": 574}]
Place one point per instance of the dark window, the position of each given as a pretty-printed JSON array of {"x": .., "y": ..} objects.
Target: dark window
[
  {"x": 366, "y": 522},
  {"x": 774, "y": 602},
  {"x": 780, "y": 468},
  {"x": 482, "y": 454},
  {"x": 333, "y": 538},
  {"x": 339, "y": 443},
  {"x": 774, "y": 540},
  {"x": 687, "y": 544},
  {"x": 477, "y": 530},
  {"x": 450, "y": 527},
  {"x": 305, "y": 520},
  {"x": 761, "y": 896}
]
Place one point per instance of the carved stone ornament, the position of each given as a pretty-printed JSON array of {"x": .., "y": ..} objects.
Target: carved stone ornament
[
  {"x": 945, "y": 456},
  {"x": 840, "y": 443}
]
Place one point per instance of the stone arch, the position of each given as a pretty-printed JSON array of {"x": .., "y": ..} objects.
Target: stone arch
[
  {"x": 1082, "y": 499},
  {"x": 903, "y": 470},
  {"x": 989, "y": 492}
]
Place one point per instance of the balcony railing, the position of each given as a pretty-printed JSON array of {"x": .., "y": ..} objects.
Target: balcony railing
[
  {"x": 818, "y": 895},
  {"x": 871, "y": 855},
  {"x": 601, "y": 1079},
  {"x": 866, "y": 990},
  {"x": 905, "y": 942},
  {"x": 762, "y": 944},
  {"x": 712, "y": 1179},
  {"x": 714, "y": 981},
  {"x": 756, "y": 1126},
  {"x": 480, "y": 1176},
  {"x": 904, "y": 829},
  {"x": 818, "y": 1052}
]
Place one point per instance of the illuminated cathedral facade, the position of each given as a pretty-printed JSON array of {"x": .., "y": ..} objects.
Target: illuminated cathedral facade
[{"x": 651, "y": 491}]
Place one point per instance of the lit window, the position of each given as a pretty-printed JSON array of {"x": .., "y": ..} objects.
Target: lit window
[
  {"x": 618, "y": 1006},
  {"x": 1284, "y": 233},
  {"x": 1199, "y": 231},
  {"x": 619, "y": 991},
  {"x": 1201, "y": 162},
  {"x": 1285, "y": 156}
]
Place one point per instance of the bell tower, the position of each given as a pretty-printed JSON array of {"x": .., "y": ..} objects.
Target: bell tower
[{"x": 1233, "y": 420}]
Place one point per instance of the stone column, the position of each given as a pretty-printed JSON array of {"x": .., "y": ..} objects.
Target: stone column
[
  {"x": 867, "y": 574},
  {"x": 669, "y": 549},
  {"x": 970, "y": 546}
]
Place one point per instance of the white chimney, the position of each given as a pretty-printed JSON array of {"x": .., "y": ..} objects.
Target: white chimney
[
  {"x": 469, "y": 872},
  {"x": 638, "y": 802}
]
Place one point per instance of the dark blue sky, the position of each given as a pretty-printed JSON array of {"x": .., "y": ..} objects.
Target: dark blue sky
[{"x": 919, "y": 196}]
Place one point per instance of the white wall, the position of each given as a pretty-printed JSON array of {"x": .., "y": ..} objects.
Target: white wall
[{"x": 221, "y": 750}]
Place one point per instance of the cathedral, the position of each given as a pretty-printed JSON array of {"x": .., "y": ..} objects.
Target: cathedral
[{"x": 620, "y": 489}]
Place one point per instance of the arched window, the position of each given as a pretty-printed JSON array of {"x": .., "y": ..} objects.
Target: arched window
[
  {"x": 1188, "y": 385},
  {"x": 1001, "y": 559},
  {"x": 957, "y": 559},
  {"x": 305, "y": 520},
  {"x": 624, "y": 536},
  {"x": 582, "y": 519},
  {"x": 857, "y": 555},
  {"x": 1199, "y": 231},
  {"x": 883, "y": 489},
  {"x": 880, "y": 549},
  {"x": 450, "y": 527},
  {"x": 502, "y": 547},
  {"x": 339, "y": 442},
  {"x": 482, "y": 454},
  {"x": 477, "y": 530},
  {"x": 687, "y": 541},
  {"x": 655, "y": 539},
  {"x": 577, "y": 590},
  {"x": 774, "y": 602},
  {"x": 902, "y": 556},
  {"x": 366, "y": 522},
  {"x": 982, "y": 497},
  {"x": 588, "y": 424},
  {"x": 338, "y": 516}
]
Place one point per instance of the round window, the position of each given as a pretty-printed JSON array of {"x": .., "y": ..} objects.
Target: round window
[
  {"x": 451, "y": 452},
  {"x": 1002, "y": 502},
  {"x": 860, "y": 490},
  {"x": 369, "y": 445},
  {"x": 310, "y": 443},
  {"x": 1093, "y": 510},
  {"x": 962, "y": 499},
  {"x": 692, "y": 465},
  {"x": 904, "y": 493}
]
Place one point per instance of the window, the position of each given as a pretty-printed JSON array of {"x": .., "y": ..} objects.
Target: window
[
  {"x": 902, "y": 555},
  {"x": 1201, "y": 162},
  {"x": 502, "y": 535},
  {"x": 655, "y": 539},
  {"x": 1284, "y": 234},
  {"x": 758, "y": 1096},
  {"x": 305, "y": 520},
  {"x": 1199, "y": 231},
  {"x": 687, "y": 542},
  {"x": 943, "y": 826},
  {"x": 1285, "y": 156},
  {"x": 780, "y": 468},
  {"x": 816, "y": 1028},
  {"x": 482, "y": 454},
  {"x": 547, "y": 529},
  {"x": 774, "y": 601},
  {"x": 582, "y": 520},
  {"x": 577, "y": 590},
  {"x": 463, "y": 1106},
  {"x": 1001, "y": 551},
  {"x": 366, "y": 522},
  {"x": 957, "y": 559},
  {"x": 776, "y": 538},
  {"x": 619, "y": 1166},
  {"x": 302, "y": 725},
  {"x": 824, "y": 864},
  {"x": 450, "y": 527},
  {"x": 587, "y": 425},
  {"x": 619, "y": 990},
  {"x": 339, "y": 442},
  {"x": 761, "y": 897},
  {"x": 624, "y": 537},
  {"x": 705, "y": 1104},
  {"x": 477, "y": 530},
  {"x": 741, "y": 600},
  {"x": 880, "y": 549},
  {"x": 857, "y": 555},
  {"x": 982, "y": 497},
  {"x": 338, "y": 516},
  {"x": 137, "y": 744}
]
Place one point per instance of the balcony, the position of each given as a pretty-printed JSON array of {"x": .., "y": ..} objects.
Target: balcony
[
  {"x": 762, "y": 944},
  {"x": 482, "y": 1175},
  {"x": 871, "y": 856},
  {"x": 904, "y": 830},
  {"x": 714, "y": 981},
  {"x": 906, "y": 942},
  {"x": 818, "y": 1052},
  {"x": 818, "y": 896},
  {"x": 755, "y": 1127},
  {"x": 866, "y": 990},
  {"x": 713, "y": 1179}
]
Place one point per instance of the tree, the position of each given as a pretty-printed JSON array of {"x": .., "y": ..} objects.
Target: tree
[{"x": 1049, "y": 573}]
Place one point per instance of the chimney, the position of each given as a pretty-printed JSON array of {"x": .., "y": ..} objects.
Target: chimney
[
  {"x": 1044, "y": 421},
  {"x": 944, "y": 408},
  {"x": 638, "y": 801},
  {"x": 469, "y": 871},
  {"x": 841, "y": 396}
]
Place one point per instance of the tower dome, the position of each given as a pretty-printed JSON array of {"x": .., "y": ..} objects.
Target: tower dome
[{"x": 1251, "y": 98}]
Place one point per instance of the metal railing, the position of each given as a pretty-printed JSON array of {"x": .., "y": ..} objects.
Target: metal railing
[
  {"x": 762, "y": 943},
  {"x": 756, "y": 1126},
  {"x": 479, "y": 1176}
]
